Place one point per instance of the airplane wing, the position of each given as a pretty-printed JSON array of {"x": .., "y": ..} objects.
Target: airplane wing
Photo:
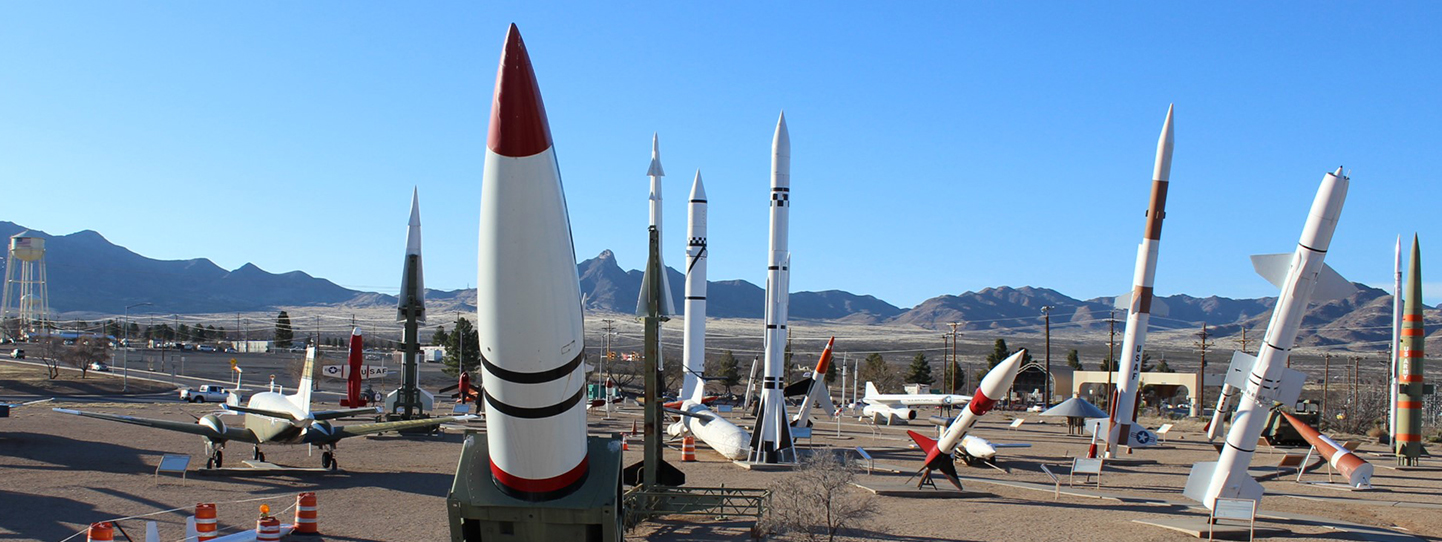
[
  {"x": 344, "y": 413},
  {"x": 229, "y": 433},
  {"x": 1010, "y": 445},
  {"x": 356, "y": 430}
]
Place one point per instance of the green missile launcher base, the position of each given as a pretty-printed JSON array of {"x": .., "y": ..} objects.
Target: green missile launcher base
[{"x": 478, "y": 510}]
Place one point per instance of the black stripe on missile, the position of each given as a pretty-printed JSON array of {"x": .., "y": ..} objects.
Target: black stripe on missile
[
  {"x": 539, "y": 377},
  {"x": 696, "y": 297},
  {"x": 1312, "y": 249},
  {"x": 773, "y": 267},
  {"x": 1251, "y": 451},
  {"x": 770, "y": 326},
  {"x": 780, "y": 189},
  {"x": 699, "y": 255},
  {"x": 698, "y": 201},
  {"x": 536, "y": 412}
]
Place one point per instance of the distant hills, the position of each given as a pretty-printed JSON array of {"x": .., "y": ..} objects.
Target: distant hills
[{"x": 89, "y": 274}]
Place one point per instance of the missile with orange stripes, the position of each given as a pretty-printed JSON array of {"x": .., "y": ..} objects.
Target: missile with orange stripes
[
  {"x": 1409, "y": 370},
  {"x": 1357, "y": 470}
]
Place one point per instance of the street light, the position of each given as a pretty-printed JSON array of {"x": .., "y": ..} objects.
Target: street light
[{"x": 125, "y": 343}]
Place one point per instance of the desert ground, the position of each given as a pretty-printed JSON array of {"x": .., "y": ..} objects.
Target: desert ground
[{"x": 63, "y": 472}]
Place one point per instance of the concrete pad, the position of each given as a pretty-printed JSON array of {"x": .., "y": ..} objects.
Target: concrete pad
[
  {"x": 765, "y": 467},
  {"x": 1197, "y": 526},
  {"x": 261, "y": 468}
]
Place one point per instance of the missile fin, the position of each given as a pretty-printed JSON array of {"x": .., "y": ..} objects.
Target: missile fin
[
  {"x": 1273, "y": 267},
  {"x": 1199, "y": 479},
  {"x": 1159, "y": 307},
  {"x": 1290, "y": 388},
  {"x": 1242, "y": 364},
  {"x": 1123, "y": 302},
  {"x": 1331, "y": 286}
]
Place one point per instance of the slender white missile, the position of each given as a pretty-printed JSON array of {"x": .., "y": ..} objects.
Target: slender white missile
[
  {"x": 1224, "y": 403},
  {"x": 693, "y": 359},
  {"x": 1264, "y": 379},
  {"x": 994, "y": 386},
  {"x": 1121, "y": 428},
  {"x": 816, "y": 392},
  {"x": 528, "y": 317},
  {"x": 413, "y": 291},
  {"x": 655, "y": 173},
  {"x": 771, "y": 440},
  {"x": 1396, "y": 341}
]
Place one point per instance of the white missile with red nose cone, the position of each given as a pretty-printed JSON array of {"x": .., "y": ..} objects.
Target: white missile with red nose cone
[
  {"x": 815, "y": 392},
  {"x": 1122, "y": 427},
  {"x": 1357, "y": 470},
  {"x": 771, "y": 440},
  {"x": 527, "y": 292},
  {"x": 1264, "y": 379},
  {"x": 994, "y": 386},
  {"x": 693, "y": 359}
]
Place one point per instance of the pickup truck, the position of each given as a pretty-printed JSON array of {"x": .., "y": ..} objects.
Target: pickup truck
[{"x": 206, "y": 393}]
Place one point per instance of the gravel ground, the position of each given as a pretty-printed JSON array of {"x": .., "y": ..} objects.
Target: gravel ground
[{"x": 62, "y": 472}]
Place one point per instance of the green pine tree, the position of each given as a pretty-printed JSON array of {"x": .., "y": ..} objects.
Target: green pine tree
[
  {"x": 920, "y": 370},
  {"x": 463, "y": 350},
  {"x": 876, "y": 371},
  {"x": 284, "y": 333},
  {"x": 729, "y": 371},
  {"x": 1073, "y": 360}
]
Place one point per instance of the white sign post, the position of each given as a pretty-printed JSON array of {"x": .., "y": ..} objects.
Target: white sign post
[{"x": 1237, "y": 509}]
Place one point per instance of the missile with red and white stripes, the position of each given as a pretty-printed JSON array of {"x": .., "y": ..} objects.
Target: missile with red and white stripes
[
  {"x": 994, "y": 386},
  {"x": 353, "y": 397},
  {"x": 816, "y": 392},
  {"x": 527, "y": 298},
  {"x": 1410, "y": 387},
  {"x": 1122, "y": 429},
  {"x": 1357, "y": 470}
]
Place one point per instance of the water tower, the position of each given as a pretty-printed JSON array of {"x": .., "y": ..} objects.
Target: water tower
[{"x": 26, "y": 300}]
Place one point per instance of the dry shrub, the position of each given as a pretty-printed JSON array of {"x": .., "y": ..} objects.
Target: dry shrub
[{"x": 817, "y": 501}]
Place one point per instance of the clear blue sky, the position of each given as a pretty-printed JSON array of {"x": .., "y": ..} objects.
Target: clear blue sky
[{"x": 937, "y": 148}]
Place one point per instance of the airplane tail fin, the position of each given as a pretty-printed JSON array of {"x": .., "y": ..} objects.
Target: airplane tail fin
[
  {"x": 870, "y": 391},
  {"x": 307, "y": 374}
]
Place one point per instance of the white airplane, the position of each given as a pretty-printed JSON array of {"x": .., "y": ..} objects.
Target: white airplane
[
  {"x": 273, "y": 417},
  {"x": 901, "y": 407},
  {"x": 974, "y": 449}
]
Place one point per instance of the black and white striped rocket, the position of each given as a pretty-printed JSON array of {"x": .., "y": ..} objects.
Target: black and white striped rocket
[
  {"x": 527, "y": 298},
  {"x": 693, "y": 388},
  {"x": 771, "y": 438},
  {"x": 1122, "y": 429}
]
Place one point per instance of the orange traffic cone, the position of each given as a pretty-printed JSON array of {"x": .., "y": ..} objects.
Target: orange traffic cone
[
  {"x": 305, "y": 515},
  {"x": 205, "y": 521},
  {"x": 101, "y": 532},
  {"x": 267, "y": 529},
  {"x": 688, "y": 449}
]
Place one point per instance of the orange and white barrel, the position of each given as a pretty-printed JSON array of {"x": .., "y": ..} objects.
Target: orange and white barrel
[
  {"x": 101, "y": 532},
  {"x": 267, "y": 529},
  {"x": 205, "y": 521},
  {"x": 688, "y": 449},
  {"x": 305, "y": 515}
]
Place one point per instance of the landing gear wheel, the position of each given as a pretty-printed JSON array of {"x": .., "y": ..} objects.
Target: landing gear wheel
[
  {"x": 327, "y": 461},
  {"x": 219, "y": 455},
  {"x": 259, "y": 456},
  {"x": 209, "y": 462}
]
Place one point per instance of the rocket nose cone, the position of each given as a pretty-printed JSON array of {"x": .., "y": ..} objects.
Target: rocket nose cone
[
  {"x": 415, "y": 207},
  {"x": 698, "y": 189},
  {"x": 355, "y": 332},
  {"x": 518, "y": 117},
  {"x": 782, "y": 140},
  {"x": 1000, "y": 378},
  {"x": 655, "y": 145}
]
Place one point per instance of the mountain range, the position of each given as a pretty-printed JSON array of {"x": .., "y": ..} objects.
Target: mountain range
[{"x": 89, "y": 274}]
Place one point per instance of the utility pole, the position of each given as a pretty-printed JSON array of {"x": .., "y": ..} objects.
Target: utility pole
[
  {"x": 1244, "y": 342},
  {"x": 1046, "y": 385},
  {"x": 1202, "y": 345},
  {"x": 1111, "y": 356},
  {"x": 1326, "y": 378}
]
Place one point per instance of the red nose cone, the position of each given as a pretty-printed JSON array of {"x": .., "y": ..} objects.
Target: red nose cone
[{"x": 518, "y": 118}]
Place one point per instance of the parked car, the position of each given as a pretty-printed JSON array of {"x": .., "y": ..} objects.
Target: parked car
[
  {"x": 99, "y": 366},
  {"x": 17, "y": 354},
  {"x": 205, "y": 348},
  {"x": 206, "y": 393}
]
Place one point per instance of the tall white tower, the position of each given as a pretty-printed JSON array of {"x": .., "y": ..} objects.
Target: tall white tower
[{"x": 26, "y": 303}]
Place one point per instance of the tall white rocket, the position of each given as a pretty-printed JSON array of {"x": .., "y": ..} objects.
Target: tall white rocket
[
  {"x": 771, "y": 439},
  {"x": 1264, "y": 379},
  {"x": 1122, "y": 429},
  {"x": 1396, "y": 360},
  {"x": 694, "y": 335},
  {"x": 655, "y": 173}
]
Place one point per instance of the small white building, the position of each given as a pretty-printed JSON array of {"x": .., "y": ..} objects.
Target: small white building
[{"x": 253, "y": 347}]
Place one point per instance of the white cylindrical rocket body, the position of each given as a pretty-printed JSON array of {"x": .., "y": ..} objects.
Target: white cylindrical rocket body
[
  {"x": 693, "y": 388},
  {"x": 717, "y": 432},
  {"x": 1230, "y": 478},
  {"x": 1224, "y": 402},
  {"x": 1123, "y": 409},
  {"x": 771, "y": 441},
  {"x": 993, "y": 387},
  {"x": 527, "y": 299},
  {"x": 1396, "y": 361}
]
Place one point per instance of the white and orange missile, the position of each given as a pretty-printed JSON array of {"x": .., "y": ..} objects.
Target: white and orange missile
[
  {"x": 1122, "y": 429},
  {"x": 994, "y": 386},
  {"x": 815, "y": 389},
  {"x": 527, "y": 291},
  {"x": 1357, "y": 470},
  {"x": 1264, "y": 379}
]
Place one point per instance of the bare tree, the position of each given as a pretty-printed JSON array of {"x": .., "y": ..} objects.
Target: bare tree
[
  {"x": 80, "y": 355},
  {"x": 817, "y": 501}
]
